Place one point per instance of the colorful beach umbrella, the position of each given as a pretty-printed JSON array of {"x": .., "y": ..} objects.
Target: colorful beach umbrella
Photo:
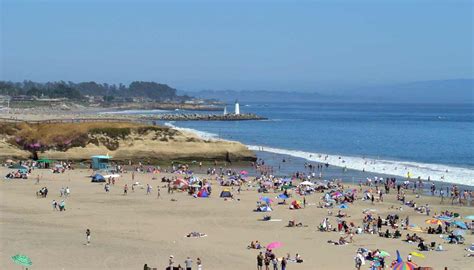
[
  {"x": 274, "y": 245},
  {"x": 434, "y": 221},
  {"x": 404, "y": 266},
  {"x": 22, "y": 260},
  {"x": 244, "y": 172}
]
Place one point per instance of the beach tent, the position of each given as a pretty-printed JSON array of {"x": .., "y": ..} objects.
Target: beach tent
[
  {"x": 18, "y": 166},
  {"x": 98, "y": 178},
  {"x": 203, "y": 193},
  {"x": 226, "y": 194},
  {"x": 343, "y": 206},
  {"x": 306, "y": 183}
]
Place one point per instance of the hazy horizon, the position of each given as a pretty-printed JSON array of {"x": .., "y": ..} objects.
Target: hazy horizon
[{"x": 240, "y": 45}]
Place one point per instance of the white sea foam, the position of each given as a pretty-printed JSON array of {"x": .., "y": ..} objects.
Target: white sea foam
[
  {"x": 201, "y": 134},
  {"x": 437, "y": 172}
]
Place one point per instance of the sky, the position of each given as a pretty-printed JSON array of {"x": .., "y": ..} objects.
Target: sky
[{"x": 241, "y": 45}]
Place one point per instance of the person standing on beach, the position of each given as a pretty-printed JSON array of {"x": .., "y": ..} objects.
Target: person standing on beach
[
  {"x": 148, "y": 189},
  {"x": 158, "y": 192},
  {"x": 188, "y": 263},
  {"x": 88, "y": 236},
  {"x": 260, "y": 261},
  {"x": 125, "y": 189},
  {"x": 199, "y": 264},
  {"x": 283, "y": 263}
]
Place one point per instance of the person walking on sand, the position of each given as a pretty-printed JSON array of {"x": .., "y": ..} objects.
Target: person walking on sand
[
  {"x": 88, "y": 236},
  {"x": 125, "y": 189},
  {"x": 158, "y": 192},
  {"x": 171, "y": 261},
  {"x": 37, "y": 179},
  {"x": 148, "y": 189}
]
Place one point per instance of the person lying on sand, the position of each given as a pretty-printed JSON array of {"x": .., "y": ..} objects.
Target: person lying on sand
[
  {"x": 196, "y": 234},
  {"x": 340, "y": 242},
  {"x": 254, "y": 245},
  {"x": 293, "y": 223}
]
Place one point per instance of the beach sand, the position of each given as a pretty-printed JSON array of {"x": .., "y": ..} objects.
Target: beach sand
[{"x": 129, "y": 231}]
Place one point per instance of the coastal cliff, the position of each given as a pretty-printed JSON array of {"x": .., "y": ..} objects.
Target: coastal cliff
[{"x": 123, "y": 141}]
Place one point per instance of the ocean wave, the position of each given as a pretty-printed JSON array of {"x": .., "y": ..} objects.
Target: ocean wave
[
  {"x": 436, "y": 172},
  {"x": 201, "y": 134}
]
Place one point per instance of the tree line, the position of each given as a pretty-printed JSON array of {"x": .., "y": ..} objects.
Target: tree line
[{"x": 78, "y": 91}]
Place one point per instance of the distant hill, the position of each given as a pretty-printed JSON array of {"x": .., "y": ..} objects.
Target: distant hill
[
  {"x": 440, "y": 91},
  {"x": 230, "y": 96}
]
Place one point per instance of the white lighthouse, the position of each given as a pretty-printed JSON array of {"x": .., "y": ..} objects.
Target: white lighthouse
[
  {"x": 237, "y": 108},
  {"x": 225, "y": 110}
]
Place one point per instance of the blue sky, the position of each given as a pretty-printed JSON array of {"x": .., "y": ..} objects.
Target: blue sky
[{"x": 273, "y": 45}]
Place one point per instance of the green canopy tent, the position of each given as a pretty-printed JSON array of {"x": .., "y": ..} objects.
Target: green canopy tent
[{"x": 44, "y": 163}]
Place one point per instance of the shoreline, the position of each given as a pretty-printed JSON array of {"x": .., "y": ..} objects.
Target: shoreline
[{"x": 455, "y": 175}]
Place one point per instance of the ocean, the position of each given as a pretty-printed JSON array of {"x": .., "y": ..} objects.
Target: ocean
[{"x": 433, "y": 141}]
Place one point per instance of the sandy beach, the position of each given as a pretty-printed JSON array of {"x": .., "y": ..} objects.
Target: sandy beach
[{"x": 129, "y": 231}]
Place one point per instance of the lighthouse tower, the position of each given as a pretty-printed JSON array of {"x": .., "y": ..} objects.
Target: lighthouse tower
[
  {"x": 237, "y": 108},
  {"x": 225, "y": 110}
]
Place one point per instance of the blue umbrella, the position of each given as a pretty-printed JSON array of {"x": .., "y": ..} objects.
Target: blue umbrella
[
  {"x": 460, "y": 224},
  {"x": 458, "y": 232},
  {"x": 444, "y": 218},
  {"x": 283, "y": 196},
  {"x": 343, "y": 206},
  {"x": 266, "y": 200}
]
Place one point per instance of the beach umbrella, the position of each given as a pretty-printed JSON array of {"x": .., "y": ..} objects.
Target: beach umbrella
[
  {"x": 444, "y": 218},
  {"x": 285, "y": 180},
  {"x": 274, "y": 245},
  {"x": 343, "y": 206},
  {"x": 266, "y": 200},
  {"x": 244, "y": 172},
  {"x": 460, "y": 224},
  {"x": 306, "y": 183},
  {"x": 434, "y": 221},
  {"x": 283, "y": 196},
  {"x": 419, "y": 255},
  {"x": 471, "y": 217},
  {"x": 404, "y": 266},
  {"x": 22, "y": 260},
  {"x": 384, "y": 253},
  {"x": 458, "y": 232}
]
